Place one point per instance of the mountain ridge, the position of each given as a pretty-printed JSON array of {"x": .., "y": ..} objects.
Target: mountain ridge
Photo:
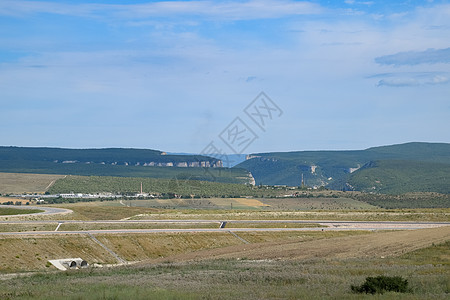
[
  {"x": 122, "y": 162},
  {"x": 334, "y": 169}
]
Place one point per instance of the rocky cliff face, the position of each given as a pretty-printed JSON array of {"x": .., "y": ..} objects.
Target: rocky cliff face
[
  {"x": 251, "y": 180},
  {"x": 182, "y": 164}
]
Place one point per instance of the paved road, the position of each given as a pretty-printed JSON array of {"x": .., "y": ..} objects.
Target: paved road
[
  {"x": 46, "y": 210},
  {"x": 331, "y": 226},
  {"x": 323, "y": 222}
]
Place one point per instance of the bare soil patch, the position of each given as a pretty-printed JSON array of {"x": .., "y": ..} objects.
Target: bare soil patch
[
  {"x": 135, "y": 247},
  {"x": 379, "y": 244}
]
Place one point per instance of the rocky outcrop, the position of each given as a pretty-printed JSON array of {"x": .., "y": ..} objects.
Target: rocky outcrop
[
  {"x": 252, "y": 180},
  {"x": 250, "y": 156},
  {"x": 183, "y": 164}
]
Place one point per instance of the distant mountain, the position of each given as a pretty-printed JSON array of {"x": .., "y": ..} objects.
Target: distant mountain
[
  {"x": 358, "y": 169},
  {"x": 117, "y": 162},
  {"x": 115, "y": 156}
]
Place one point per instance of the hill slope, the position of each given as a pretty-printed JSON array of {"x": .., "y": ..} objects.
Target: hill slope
[
  {"x": 397, "y": 177},
  {"x": 116, "y": 156},
  {"x": 342, "y": 169},
  {"x": 116, "y": 162}
]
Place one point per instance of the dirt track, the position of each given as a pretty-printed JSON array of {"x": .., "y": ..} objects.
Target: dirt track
[{"x": 379, "y": 244}]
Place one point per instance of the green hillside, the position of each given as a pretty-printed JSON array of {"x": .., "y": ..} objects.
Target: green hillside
[
  {"x": 334, "y": 169},
  {"x": 115, "y": 162},
  {"x": 121, "y": 185},
  {"x": 432, "y": 152},
  {"x": 397, "y": 177},
  {"x": 118, "y": 156}
]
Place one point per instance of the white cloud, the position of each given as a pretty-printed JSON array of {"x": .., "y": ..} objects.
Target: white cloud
[
  {"x": 398, "y": 82},
  {"x": 179, "y": 66},
  {"x": 430, "y": 56},
  {"x": 412, "y": 79}
]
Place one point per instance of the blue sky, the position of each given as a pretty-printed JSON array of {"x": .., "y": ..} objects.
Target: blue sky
[{"x": 172, "y": 75}]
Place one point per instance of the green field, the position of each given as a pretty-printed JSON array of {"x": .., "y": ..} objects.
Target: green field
[
  {"x": 7, "y": 211},
  {"x": 180, "y": 186},
  {"x": 18, "y": 183}
]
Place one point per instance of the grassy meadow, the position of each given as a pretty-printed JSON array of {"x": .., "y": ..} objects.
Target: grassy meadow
[
  {"x": 220, "y": 265},
  {"x": 17, "y": 183},
  {"x": 427, "y": 271},
  {"x": 9, "y": 211}
]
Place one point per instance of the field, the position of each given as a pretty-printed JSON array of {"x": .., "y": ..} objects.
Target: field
[
  {"x": 243, "y": 260},
  {"x": 4, "y": 200},
  {"x": 324, "y": 271},
  {"x": 36, "y": 250},
  {"x": 181, "y": 184},
  {"x": 266, "y": 204},
  {"x": 114, "y": 210},
  {"x": 7, "y": 211},
  {"x": 16, "y": 183},
  {"x": 207, "y": 203},
  {"x": 408, "y": 200},
  {"x": 107, "y": 210}
]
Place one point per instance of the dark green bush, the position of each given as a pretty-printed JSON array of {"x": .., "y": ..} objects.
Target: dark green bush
[{"x": 381, "y": 284}]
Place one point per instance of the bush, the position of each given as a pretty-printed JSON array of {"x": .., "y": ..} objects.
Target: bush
[{"x": 380, "y": 284}]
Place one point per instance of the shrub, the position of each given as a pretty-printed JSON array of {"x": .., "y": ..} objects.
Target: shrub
[{"x": 380, "y": 284}]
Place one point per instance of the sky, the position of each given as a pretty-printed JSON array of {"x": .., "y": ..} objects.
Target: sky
[{"x": 233, "y": 76}]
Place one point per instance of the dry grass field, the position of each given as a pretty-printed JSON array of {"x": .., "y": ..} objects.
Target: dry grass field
[
  {"x": 9, "y": 199},
  {"x": 437, "y": 214},
  {"x": 27, "y": 227},
  {"x": 31, "y": 253},
  {"x": 18, "y": 183},
  {"x": 206, "y": 203},
  {"x": 138, "y": 247},
  {"x": 113, "y": 210},
  {"x": 321, "y": 203},
  {"x": 11, "y": 227},
  {"x": 386, "y": 244},
  {"x": 220, "y": 265},
  {"x": 308, "y": 267},
  {"x": 272, "y": 225},
  {"x": 106, "y": 210}
]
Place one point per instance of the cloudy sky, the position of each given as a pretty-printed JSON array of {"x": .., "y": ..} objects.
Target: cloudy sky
[{"x": 175, "y": 75}]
